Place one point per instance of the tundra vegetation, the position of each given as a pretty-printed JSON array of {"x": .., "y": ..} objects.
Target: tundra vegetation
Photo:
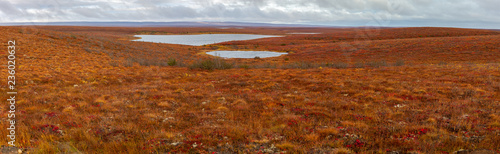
[{"x": 350, "y": 90}]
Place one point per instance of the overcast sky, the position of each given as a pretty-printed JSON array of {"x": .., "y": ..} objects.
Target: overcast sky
[{"x": 447, "y": 13}]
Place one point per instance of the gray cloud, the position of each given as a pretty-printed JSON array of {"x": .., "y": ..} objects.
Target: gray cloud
[
  {"x": 333, "y": 12},
  {"x": 8, "y": 8}
]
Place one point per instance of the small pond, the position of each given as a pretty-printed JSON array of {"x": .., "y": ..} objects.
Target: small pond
[{"x": 245, "y": 54}]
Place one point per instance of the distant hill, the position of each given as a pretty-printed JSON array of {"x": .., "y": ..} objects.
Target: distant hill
[{"x": 157, "y": 24}]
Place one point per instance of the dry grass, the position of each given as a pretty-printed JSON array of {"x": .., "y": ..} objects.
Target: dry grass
[{"x": 92, "y": 102}]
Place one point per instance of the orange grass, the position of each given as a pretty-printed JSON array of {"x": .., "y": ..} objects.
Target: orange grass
[{"x": 89, "y": 89}]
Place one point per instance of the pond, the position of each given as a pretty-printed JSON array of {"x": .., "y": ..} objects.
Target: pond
[
  {"x": 245, "y": 54},
  {"x": 198, "y": 40}
]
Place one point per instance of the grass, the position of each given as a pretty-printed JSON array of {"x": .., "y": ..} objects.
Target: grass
[
  {"x": 359, "y": 65},
  {"x": 399, "y": 63},
  {"x": 337, "y": 65},
  {"x": 301, "y": 65},
  {"x": 377, "y": 64},
  {"x": 211, "y": 64},
  {"x": 171, "y": 62},
  {"x": 244, "y": 66},
  {"x": 75, "y": 100}
]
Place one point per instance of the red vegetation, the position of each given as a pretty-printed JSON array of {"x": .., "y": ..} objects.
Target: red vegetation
[{"x": 91, "y": 90}]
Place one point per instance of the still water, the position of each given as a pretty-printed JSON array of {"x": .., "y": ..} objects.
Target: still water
[{"x": 198, "y": 40}]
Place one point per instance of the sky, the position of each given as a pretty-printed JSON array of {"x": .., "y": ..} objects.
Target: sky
[{"x": 386, "y": 13}]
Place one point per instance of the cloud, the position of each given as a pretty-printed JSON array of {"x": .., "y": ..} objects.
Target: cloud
[{"x": 381, "y": 12}]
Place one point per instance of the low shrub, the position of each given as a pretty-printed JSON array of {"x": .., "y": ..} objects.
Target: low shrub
[
  {"x": 377, "y": 64},
  {"x": 338, "y": 65},
  {"x": 399, "y": 63},
  {"x": 211, "y": 64},
  {"x": 171, "y": 62},
  {"x": 301, "y": 65}
]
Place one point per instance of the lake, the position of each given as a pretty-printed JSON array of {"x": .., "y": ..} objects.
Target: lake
[
  {"x": 198, "y": 40},
  {"x": 245, "y": 54}
]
